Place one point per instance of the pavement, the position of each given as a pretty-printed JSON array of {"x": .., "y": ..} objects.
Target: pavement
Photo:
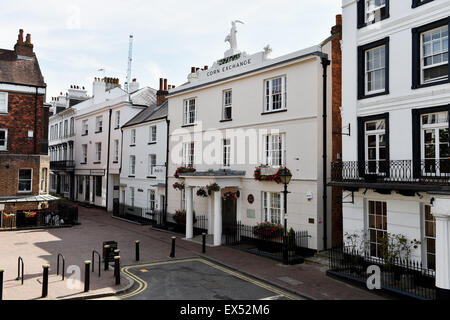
[{"x": 38, "y": 247}]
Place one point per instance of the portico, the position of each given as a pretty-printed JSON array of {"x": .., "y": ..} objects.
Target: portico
[{"x": 228, "y": 181}]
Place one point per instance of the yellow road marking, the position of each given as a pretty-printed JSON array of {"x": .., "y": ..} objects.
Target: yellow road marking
[
  {"x": 143, "y": 270},
  {"x": 142, "y": 285}
]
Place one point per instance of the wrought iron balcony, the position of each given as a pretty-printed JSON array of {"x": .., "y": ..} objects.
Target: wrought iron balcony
[
  {"x": 65, "y": 165},
  {"x": 426, "y": 175}
]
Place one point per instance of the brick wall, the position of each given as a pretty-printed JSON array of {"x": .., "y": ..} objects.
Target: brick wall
[
  {"x": 9, "y": 173},
  {"x": 24, "y": 114},
  {"x": 336, "y": 70}
]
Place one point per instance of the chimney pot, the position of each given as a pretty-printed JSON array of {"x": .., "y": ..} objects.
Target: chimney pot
[
  {"x": 165, "y": 84},
  {"x": 192, "y": 69},
  {"x": 20, "y": 38},
  {"x": 28, "y": 38},
  {"x": 161, "y": 84},
  {"x": 206, "y": 67}
]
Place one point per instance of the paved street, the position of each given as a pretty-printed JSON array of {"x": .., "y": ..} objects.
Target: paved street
[{"x": 40, "y": 247}]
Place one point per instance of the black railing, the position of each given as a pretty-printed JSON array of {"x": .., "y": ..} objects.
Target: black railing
[
  {"x": 62, "y": 165},
  {"x": 396, "y": 171},
  {"x": 169, "y": 222},
  {"x": 268, "y": 243},
  {"x": 400, "y": 276},
  {"x": 136, "y": 214}
]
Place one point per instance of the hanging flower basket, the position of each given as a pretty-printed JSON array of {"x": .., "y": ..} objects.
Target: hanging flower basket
[
  {"x": 178, "y": 186},
  {"x": 261, "y": 173},
  {"x": 30, "y": 214},
  {"x": 267, "y": 230},
  {"x": 182, "y": 170},
  {"x": 213, "y": 188},
  {"x": 230, "y": 196},
  {"x": 202, "y": 193},
  {"x": 180, "y": 217}
]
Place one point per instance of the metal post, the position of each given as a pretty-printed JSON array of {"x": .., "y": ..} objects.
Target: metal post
[
  {"x": 107, "y": 252},
  {"x": 45, "y": 281},
  {"x": 204, "y": 243},
  {"x": 1, "y": 284},
  {"x": 87, "y": 275},
  {"x": 137, "y": 250},
  {"x": 116, "y": 252},
  {"x": 285, "y": 238},
  {"x": 117, "y": 269},
  {"x": 172, "y": 252}
]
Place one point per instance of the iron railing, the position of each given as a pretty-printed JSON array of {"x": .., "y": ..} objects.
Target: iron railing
[
  {"x": 137, "y": 214},
  {"x": 167, "y": 221},
  {"x": 62, "y": 165},
  {"x": 268, "y": 242},
  {"x": 400, "y": 276},
  {"x": 395, "y": 171}
]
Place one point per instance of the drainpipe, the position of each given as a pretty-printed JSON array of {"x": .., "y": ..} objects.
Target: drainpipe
[
  {"x": 35, "y": 123},
  {"x": 167, "y": 166},
  {"x": 107, "y": 165},
  {"x": 325, "y": 64}
]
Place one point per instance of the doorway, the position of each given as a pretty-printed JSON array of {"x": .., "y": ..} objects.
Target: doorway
[{"x": 229, "y": 216}]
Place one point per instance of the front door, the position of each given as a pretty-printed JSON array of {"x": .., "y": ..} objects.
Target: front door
[
  {"x": 229, "y": 220},
  {"x": 87, "y": 189}
]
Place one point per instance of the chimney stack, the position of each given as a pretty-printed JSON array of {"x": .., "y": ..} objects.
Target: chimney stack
[
  {"x": 161, "y": 95},
  {"x": 24, "y": 48}
]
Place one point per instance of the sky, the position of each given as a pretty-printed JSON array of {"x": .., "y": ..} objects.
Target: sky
[{"x": 74, "y": 39}]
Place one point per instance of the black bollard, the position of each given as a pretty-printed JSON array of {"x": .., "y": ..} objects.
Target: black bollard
[
  {"x": 204, "y": 243},
  {"x": 116, "y": 252},
  {"x": 117, "y": 269},
  {"x": 45, "y": 280},
  {"x": 87, "y": 275},
  {"x": 137, "y": 250},
  {"x": 1, "y": 284},
  {"x": 107, "y": 251},
  {"x": 172, "y": 252}
]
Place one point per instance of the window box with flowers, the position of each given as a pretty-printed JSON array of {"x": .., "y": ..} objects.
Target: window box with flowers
[
  {"x": 268, "y": 173},
  {"x": 268, "y": 231},
  {"x": 182, "y": 170}
]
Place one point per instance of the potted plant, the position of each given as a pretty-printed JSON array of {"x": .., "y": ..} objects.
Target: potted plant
[
  {"x": 202, "y": 193},
  {"x": 268, "y": 231},
  {"x": 213, "y": 188},
  {"x": 258, "y": 175}
]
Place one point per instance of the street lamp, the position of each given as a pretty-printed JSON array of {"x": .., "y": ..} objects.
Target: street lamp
[{"x": 285, "y": 178}]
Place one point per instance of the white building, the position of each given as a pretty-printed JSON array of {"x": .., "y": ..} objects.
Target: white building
[
  {"x": 98, "y": 138},
  {"x": 61, "y": 140},
  {"x": 144, "y": 161},
  {"x": 396, "y": 95},
  {"x": 243, "y": 111}
]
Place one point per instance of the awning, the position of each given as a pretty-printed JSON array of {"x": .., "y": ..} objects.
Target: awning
[{"x": 40, "y": 198}]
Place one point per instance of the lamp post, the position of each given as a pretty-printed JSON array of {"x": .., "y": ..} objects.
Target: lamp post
[{"x": 285, "y": 178}]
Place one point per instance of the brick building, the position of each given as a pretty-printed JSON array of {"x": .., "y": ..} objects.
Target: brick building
[{"x": 24, "y": 163}]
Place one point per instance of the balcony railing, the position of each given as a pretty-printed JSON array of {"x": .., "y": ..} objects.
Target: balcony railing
[
  {"x": 62, "y": 165},
  {"x": 426, "y": 172}
]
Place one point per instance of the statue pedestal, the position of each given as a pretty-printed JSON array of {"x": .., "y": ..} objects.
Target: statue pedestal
[{"x": 231, "y": 52}]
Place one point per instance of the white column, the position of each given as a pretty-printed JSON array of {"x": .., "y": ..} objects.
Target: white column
[
  {"x": 441, "y": 211},
  {"x": 217, "y": 218},
  {"x": 210, "y": 214},
  {"x": 189, "y": 213}
]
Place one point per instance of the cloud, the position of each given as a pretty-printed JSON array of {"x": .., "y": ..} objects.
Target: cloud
[{"x": 73, "y": 39}]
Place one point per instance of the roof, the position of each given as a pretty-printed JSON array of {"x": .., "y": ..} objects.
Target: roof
[
  {"x": 214, "y": 173},
  {"x": 40, "y": 198},
  {"x": 144, "y": 97},
  {"x": 22, "y": 71},
  {"x": 151, "y": 113}
]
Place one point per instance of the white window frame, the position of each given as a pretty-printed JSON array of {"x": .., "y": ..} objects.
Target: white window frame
[
  {"x": 151, "y": 200},
  {"x": 269, "y": 94},
  {"x": 98, "y": 151},
  {"x": 436, "y": 127},
  {"x": 132, "y": 166},
  {"x": 99, "y": 124},
  {"x": 132, "y": 196},
  {"x": 227, "y": 104},
  {"x": 44, "y": 173},
  {"x": 117, "y": 121},
  {"x": 269, "y": 151},
  {"x": 152, "y": 132},
  {"x": 4, "y": 107},
  {"x": 422, "y": 55},
  {"x": 371, "y": 11},
  {"x": 377, "y": 133},
  {"x": 5, "y": 147},
  {"x": 84, "y": 150},
  {"x": 18, "y": 181},
  {"x": 270, "y": 213},
  {"x": 188, "y": 114},
  {"x": 189, "y": 154},
  {"x": 425, "y": 237},
  {"x": 133, "y": 137},
  {"x": 84, "y": 125},
  {"x": 226, "y": 153},
  {"x": 369, "y": 242},
  {"x": 60, "y": 135},
  {"x": 151, "y": 165},
  {"x": 374, "y": 70},
  {"x": 116, "y": 151},
  {"x": 72, "y": 126}
]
